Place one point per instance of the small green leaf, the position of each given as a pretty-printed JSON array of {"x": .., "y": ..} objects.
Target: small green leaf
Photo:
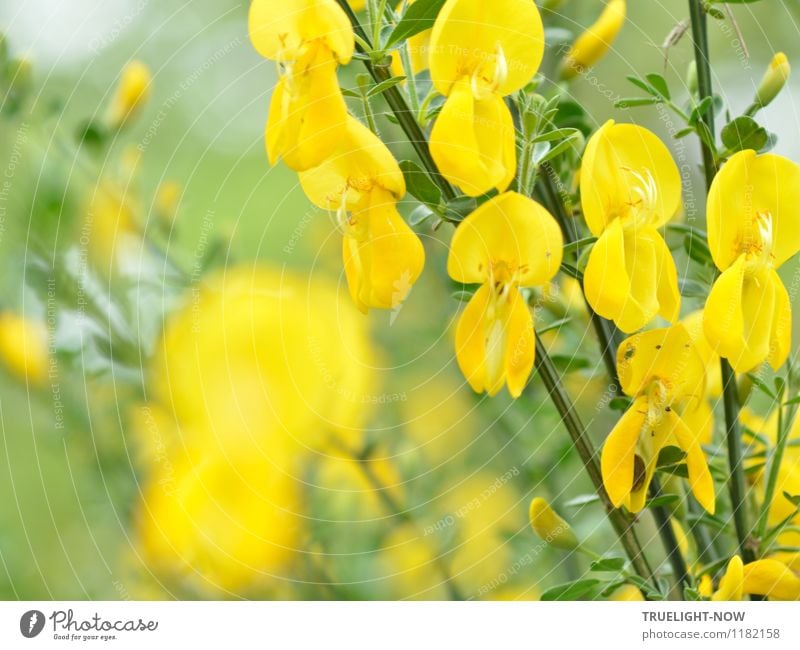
[
  {"x": 793, "y": 498},
  {"x": 419, "y": 214},
  {"x": 554, "y": 325},
  {"x": 417, "y": 18},
  {"x": 632, "y": 102},
  {"x": 670, "y": 455},
  {"x": 384, "y": 85},
  {"x": 419, "y": 183},
  {"x": 744, "y": 133},
  {"x": 663, "y": 500},
  {"x": 610, "y": 564},
  {"x": 581, "y": 500},
  {"x": 762, "y": 386},
  {"x": 620, "y": 403},
  {"x": 571, "y": 590},
  {"x": 696, "y": 247},
  {"x": 660, "y": 84}
]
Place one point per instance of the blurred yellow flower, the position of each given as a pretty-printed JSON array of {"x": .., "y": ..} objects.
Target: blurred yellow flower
[
  {"x": 508, "y": 243},
  {"x": 774, "y": 80},
  {"x": 630, "y": 187},
  {"x": 550, "y": 527},
  {"x": 409, "y": 563},
  {"x": 308, "y": 39},
  {"x": 23, "y": 347},
  {"x": 480, "y": 53},
  {"x": 752, "y": 231},
  {"x": 661, "y": 370},
  {"x": 131, "y": 94},
  {"x": 768, "y": 578},
  {"x": 626, "y": 592},
  {"x": 109, "y": 228},
  {"x": 362, "y": 183},
  {"x": 594, "y": 43}
]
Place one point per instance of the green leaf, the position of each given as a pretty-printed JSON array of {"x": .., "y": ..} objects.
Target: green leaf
[
  {"x": 619, "y": 403},
  {"x": 696, "y": 247},
  {"x": 670, "y": 455},
  {"x": 744, "y": 133},
  {"x": 793, "y": 498},
  {"x": 384, "y": 85},
  {"x": 555, "y": 135},
  {"x": 560, "y": 148},
  {"x": 463, "y": 295},
  {"x": 417, "y": 18},
  {"x": 660, "y": 84},
  {"x": 419, "y": 183},
  {"x": 581, "y": 500},
  {"x": 571, "y": 590},
  {"x": 554, "y": 325},
  {"x": 662, "y": 500},
  {"x": 700, "y": 109},
  {"x": 692, "y": 288},
  {"x": 458, "y": 208},
  {"x": 762, "y": 386},
  {"x": 610, "y": 564},
  {"x": 419, "y": 214},
  {"x": 569, "y": 362},
  {"x": 632, "y": 102}
]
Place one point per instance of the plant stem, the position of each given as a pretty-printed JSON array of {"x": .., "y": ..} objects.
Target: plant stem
[
  {"x": 736, "y": 482},
  {"x": 623, "y": 524},
  {"x": 397, "y": 103}
]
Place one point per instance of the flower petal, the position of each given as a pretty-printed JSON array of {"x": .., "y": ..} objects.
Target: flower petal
[
  {"x": 471, "y": 339},
  {"x": 467, "y": 34},
  {"x": 781, "y": 337},
  {"x": 508, "y": 228},
  {"x": 605, "y": 280},
  {"x": 520, "y": 344},
  {"x": 619, "y": 449},
  {"x": 723, "y": 321},
  {"x": 700, "y": 481},
  {"x": 732, "y": 583},
  {"x": 771, "y": 578}
]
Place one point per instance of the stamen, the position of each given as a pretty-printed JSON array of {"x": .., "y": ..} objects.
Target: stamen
[{"x": 482, "y": 86}]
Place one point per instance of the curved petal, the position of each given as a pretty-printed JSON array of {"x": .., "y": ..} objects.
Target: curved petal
[
  {"x": 468, "y": 36},
  {"x": 628, "y": 171},
  {"x": 748, "y": 188},
  {"x": 700, "y": 481},
  {"x": 619, "y": 450},
  {"x": 758, "y": 310},
  {"x": 694, "y": 325},
  {"x": 641, "y": 263},
  {"x": 667, "y": 292},
  {"x": 520, "y": 344},
  {"x": 723, "y": 320},
  {"x": 281, "y": 32},
  {"x": 361, "y": 164},
  {"x": 665, "y": 353},
  {"x": 652, "y": 441},
  {"x": 590, "y": 46},
  {"x": 781, "y": 336},
  {"x": 732, "y": 583},
  {"x": 471, "y": 339},
  {"x": 771, "y": 578},
  {"x": 512, "y": 229},
  {"x": 494, "y": 132},
  {"x": 605, "y": 281},
  {"x": 699, "y": 418}
]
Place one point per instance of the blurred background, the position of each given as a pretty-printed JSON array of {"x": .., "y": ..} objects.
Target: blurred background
[{"x": 211, "y": 417}]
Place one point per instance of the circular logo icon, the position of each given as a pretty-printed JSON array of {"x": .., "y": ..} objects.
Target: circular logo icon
[{"x": 31, "y": 623}]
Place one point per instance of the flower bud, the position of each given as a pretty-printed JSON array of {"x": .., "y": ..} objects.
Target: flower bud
[
  {"x": 550, "y": 527},
  {"x": 691, "y": 78},
  {"x": 131, "y": 95},
  {"x": 23, "y": 347},
  {"x": 593, "y": 44},
  {"x": 773, "y": 81},
  {"x": 626, "y": 592}
]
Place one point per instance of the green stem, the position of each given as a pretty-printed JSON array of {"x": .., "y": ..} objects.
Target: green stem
[
  {"x": 397, "y": 103},
  {"x": 623, "y": 524},
  {"x": 736, "y": 482},
  {"x": 775, "y": 460}
]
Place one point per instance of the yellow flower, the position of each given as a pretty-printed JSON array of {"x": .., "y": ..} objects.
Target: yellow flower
[
  {"x": 701, "y": 418},
  {"x": 308, "y": 39},
  {"x": 480, "y": 52},
  {"x": 550, "y": 527},
  {"x": 627, "y": 592},
  {"x": 362, "y": 183},
  {"x": 166, "y": 202},
  {"x": 111, "y": 229},
  {"x": 131, "y": 95},
  {"x": 408, "y": 562},
  {"x": 774, "y": 80},
  {"x": 23, "y": 347},
  {"x": 752, "y": 230},
  {"x": 509, "y": 242},
  {"x": 763, "y": 578},
  {"x": 662, "y": 371},
  {"x": 594, "y": 43},
  {"x": 630, "y": 187}
]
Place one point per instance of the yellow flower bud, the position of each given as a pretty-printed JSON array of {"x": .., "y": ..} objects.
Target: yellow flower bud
[
  {"x": 773, "y": 81},
  {"x": 132, "y": 93},
  {"x": 166, "y": 202},
  {"x": 23, "y": 347},
  {"x": 550, "y": 527},
  {"x": 593, "y": 44},
  {"x": 626, "y": 592}
]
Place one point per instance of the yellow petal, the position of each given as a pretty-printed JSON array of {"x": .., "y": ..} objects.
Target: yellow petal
[
  {"x": 468, "y": 37},
  {"x": 619, "y": 449},
  {"x": 384, "y": 257},
  {"x": 668, "y": 294},
  {"x": 667, "y": 354},
  {"x": 771, "y": 578},
  {"x": 694, "y": 325},
  {"x": 781, "y": 337},
  {"x": 361, "y": 164},
  {"x": 732, "y": 583},
  {"x": 510, "y": 229},
  {"x": 653, "y": 440},
  {"x": 758, "y": 309},
  {"x": 520, "y": 345},
  {"x": 472, "y": 142},
  {"x": 605, "y": 280},
  {"x": 641, "y": 263},
  {"x": 700, "y": 481},
  {"x": 627, "y": 172},
  {"x": 281, "y": 32},
  {"x": 550, "y": 527},
  {"x": 723, "y": 321},
  {"x": 593, "y": 44},
  {"x": 471, "y": 339},
  {"x": 699, "y": 417},
  {"x": 747, "y": 189}
]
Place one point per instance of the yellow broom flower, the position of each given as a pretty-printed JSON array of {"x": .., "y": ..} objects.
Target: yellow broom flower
[
  {"x": 23, "y": 347},
  {"x": 509, "y": 242},
  {"x": 550, "y": 527},
  {"x": 630, "y": 186},
  {"x": 362, "y": 183},
  {"x": 752, "y": 231},
  {"x": 479, "y": 53},
  {"x": 662, "y": 371},
  {"x": 594, "y": 43},
  {"x": 768, "y": 578},
  {"x": 131, "y": 95},
  {"x": 308, "y": 39}
]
